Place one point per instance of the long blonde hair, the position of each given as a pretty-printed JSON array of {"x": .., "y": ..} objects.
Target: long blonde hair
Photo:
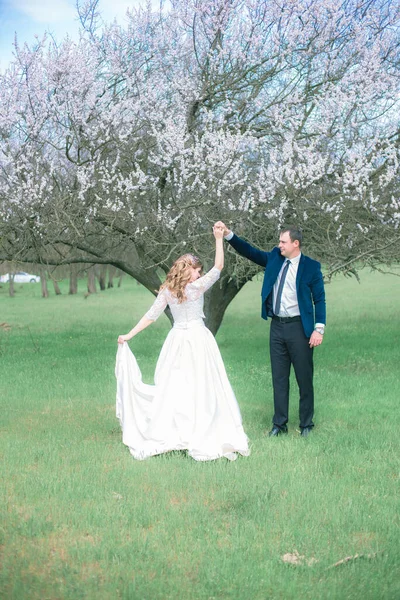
[{"x": 180, "y": 274}]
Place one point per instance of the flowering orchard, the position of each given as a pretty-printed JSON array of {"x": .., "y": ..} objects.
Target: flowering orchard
[{"x": 125, "y": 146}]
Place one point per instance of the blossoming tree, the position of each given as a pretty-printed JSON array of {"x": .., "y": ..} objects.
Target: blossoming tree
[{"x": 124, "y": 147}]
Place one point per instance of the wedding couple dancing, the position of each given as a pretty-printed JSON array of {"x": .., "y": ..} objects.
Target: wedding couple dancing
[{"x": 192, "y": 405}]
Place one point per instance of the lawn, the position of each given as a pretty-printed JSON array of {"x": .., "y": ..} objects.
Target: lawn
[{"x": 80, "y": 519}]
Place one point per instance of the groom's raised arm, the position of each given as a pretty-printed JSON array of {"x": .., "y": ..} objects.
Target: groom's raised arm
[
  {"x": 244, "y": 248},
  {"x": 247, "y": 250}
]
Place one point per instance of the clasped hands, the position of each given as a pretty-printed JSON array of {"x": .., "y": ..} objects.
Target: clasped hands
[
  {"x": 221, "y": 226},
  {"x": 218, "y": 231}
]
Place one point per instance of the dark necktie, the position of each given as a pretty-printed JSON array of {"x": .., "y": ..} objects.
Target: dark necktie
[{"x": 280, "y": 288}]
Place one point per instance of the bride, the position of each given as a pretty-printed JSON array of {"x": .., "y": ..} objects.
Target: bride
[{"x": 192, "y": 405}]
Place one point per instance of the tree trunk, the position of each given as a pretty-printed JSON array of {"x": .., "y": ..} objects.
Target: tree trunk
[
  {"x": 43, "y": 282},
  {"x": 111, "y": 273},
  {"x": 217, "y": 301},
  {"x": 73, "y": 279},
  {"x": 102, "y": 273},
  {"x": 55, "y": 285},
  {"x": 11, "y": 289},
  {"x": 56, "y": 288},
  {"x": 120, "y": 280},
  {"x": 91, "y": 280}
]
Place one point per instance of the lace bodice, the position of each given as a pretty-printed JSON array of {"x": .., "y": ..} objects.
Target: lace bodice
[{"x": 192, "y": 308}]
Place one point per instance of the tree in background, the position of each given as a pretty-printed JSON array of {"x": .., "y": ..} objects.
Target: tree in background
[{"x": 125, "y": 147}]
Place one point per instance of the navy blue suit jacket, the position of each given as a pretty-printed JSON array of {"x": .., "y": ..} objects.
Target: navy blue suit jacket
[{"x": 309, "y": 283}]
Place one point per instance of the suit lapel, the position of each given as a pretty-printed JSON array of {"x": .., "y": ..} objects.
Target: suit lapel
[
  {"x": 300, "y": 271},
  {"x": 279, "y": 263}
]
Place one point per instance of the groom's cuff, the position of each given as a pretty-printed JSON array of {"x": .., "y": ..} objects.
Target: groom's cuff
[
  {"x": 229, "y": 236},
  {"x": 320, "y": 325}
]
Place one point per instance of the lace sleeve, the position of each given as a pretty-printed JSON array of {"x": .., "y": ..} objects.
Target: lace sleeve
[
  {"x": 158, "y": 306},
  {"x": 204, "y": 283}
]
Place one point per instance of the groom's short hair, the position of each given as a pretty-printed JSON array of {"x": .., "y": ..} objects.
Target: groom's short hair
[{"x": 294, "y": 232}]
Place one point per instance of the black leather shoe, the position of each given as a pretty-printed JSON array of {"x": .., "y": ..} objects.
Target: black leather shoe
[
  {"x": 306, "y": 431},
  {"x": 277, "y": 431}
]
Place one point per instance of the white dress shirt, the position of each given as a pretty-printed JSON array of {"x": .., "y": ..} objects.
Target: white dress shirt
[{"x": 289, "y": 305}]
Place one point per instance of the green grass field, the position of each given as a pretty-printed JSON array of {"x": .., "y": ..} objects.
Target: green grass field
[{"x": 80, "y": 519}]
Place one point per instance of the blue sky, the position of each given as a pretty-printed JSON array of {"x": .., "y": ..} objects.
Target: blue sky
[{"x": 28, "y": 18}]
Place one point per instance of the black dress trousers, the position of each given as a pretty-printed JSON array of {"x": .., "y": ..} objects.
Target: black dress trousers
[{"x": 290, "y": 346}]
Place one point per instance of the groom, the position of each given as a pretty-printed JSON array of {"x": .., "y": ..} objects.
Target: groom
[{"x": 293, "y": 296}]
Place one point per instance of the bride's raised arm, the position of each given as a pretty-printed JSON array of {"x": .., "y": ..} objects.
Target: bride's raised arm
[
  {"x": 204, "y": 283},
  {"x": 219, "y": 247}
]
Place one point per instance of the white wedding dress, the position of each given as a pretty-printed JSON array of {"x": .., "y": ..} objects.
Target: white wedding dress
[{"x": 192, "y": 405}]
